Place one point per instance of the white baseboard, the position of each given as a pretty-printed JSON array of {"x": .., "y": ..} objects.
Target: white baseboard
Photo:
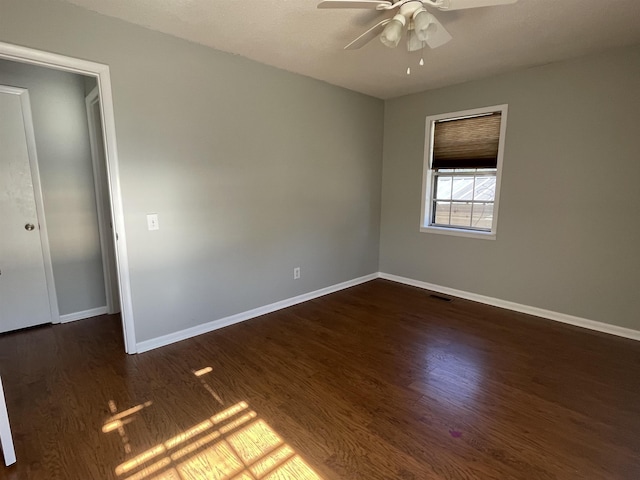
[
  {"x": 517, "y": 307},
  {"x": 147, "y": 345},
  {"x": 72, "y": 317}
]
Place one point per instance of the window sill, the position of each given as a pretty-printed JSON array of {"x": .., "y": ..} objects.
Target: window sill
[{"x": 458, "y": 232}]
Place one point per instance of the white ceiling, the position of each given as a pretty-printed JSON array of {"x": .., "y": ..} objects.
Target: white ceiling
[{"x": 295, "y": 36}]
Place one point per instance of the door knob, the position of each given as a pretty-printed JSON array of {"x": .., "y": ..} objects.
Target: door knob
[{"x": 29, "y": 226}]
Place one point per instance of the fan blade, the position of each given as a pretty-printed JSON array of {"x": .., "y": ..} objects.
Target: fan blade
[
  {"x": 367, "y": 36},
  {"x": 462, "y": 4},
  {"x": 372, "y": 4},
  {"x": 439, "y": 36}
]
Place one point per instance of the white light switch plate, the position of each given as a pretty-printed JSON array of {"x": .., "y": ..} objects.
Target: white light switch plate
[{"x": 152, "y": 221}]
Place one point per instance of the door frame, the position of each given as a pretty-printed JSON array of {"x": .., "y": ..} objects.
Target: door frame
[
  {"x": 27, "y": 121},
  {"x": 92, "y": 102},
  {"x": 101, "y": 73}
]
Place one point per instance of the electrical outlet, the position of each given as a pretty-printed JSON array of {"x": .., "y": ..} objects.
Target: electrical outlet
[
  {"x": 296, "y": 273},
  {"x": 152, "y": 221}
]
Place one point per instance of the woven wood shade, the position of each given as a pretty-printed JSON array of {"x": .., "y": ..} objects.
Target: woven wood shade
[{"x": 467, "y": 142}]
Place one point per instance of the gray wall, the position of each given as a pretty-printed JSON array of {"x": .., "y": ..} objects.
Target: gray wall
[
  {"x": 252, "y": 170},
  {"x": 64, "y": 159},
  {"x": 569, "y": 222}
]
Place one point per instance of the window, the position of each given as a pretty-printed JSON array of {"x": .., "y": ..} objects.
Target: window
[{"x": 461, "y": 178}]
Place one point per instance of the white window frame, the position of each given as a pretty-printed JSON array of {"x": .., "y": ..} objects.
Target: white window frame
[{"x": 428, "y": 176}]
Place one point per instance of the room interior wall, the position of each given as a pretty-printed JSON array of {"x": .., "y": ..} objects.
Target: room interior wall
[
  {"x": 568, "y": 230},
  {"x": 252, "y": 170},
  {"x": 66, "y": 174}
]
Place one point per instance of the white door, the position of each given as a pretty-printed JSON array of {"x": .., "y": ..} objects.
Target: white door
[{"x": 24, "y": 296}]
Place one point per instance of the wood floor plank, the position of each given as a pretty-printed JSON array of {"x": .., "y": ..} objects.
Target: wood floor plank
[{"x": 379, "y": 381}]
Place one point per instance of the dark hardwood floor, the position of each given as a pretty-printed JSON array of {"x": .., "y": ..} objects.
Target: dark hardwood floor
[{"x": 380, "y": 381}]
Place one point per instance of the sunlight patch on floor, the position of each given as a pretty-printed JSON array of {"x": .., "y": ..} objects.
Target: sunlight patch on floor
[
  {"x": 202, "y": 371},
  {"x": 234, "y": 444},
  {"x": 229, "y": 412},
  {"x": 207, "y": 387},
  {"x": 119, "y": 420},
  {"x": 189, "y": 433}
]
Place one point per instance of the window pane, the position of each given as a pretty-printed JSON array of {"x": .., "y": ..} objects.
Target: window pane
[
  {"x": 461, "y": 214},
  {"x": 485, "y": 189},
  {"x": 462, "y": 188},
  {"x": 482, "y": 215},
  {"x": 443, "y": 188},
  {"x": 442, "y": 213},
  {"x": 460, "y": 173}
]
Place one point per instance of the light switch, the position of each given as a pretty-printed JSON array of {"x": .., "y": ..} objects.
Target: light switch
[{"x": 152, "y": 221}]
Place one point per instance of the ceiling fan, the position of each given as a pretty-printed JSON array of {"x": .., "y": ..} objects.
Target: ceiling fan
[{"x": 421, "y": 26}]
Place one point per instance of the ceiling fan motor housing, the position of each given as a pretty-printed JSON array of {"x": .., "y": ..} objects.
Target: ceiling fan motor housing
[{"x": 409, "y": 9}]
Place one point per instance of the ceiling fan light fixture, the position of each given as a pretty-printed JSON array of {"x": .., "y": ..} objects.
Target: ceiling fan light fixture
[
  {"x": 392, "y": 33},
  {"x": 424, "y": 24},
  {"x": 413, "y": 42}
]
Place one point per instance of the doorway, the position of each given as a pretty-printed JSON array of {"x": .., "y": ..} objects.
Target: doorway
[
  {"x": 26, "y": 275},
  {"x": 115, "y": 217},
  {"x": 103, "y": 203}
]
